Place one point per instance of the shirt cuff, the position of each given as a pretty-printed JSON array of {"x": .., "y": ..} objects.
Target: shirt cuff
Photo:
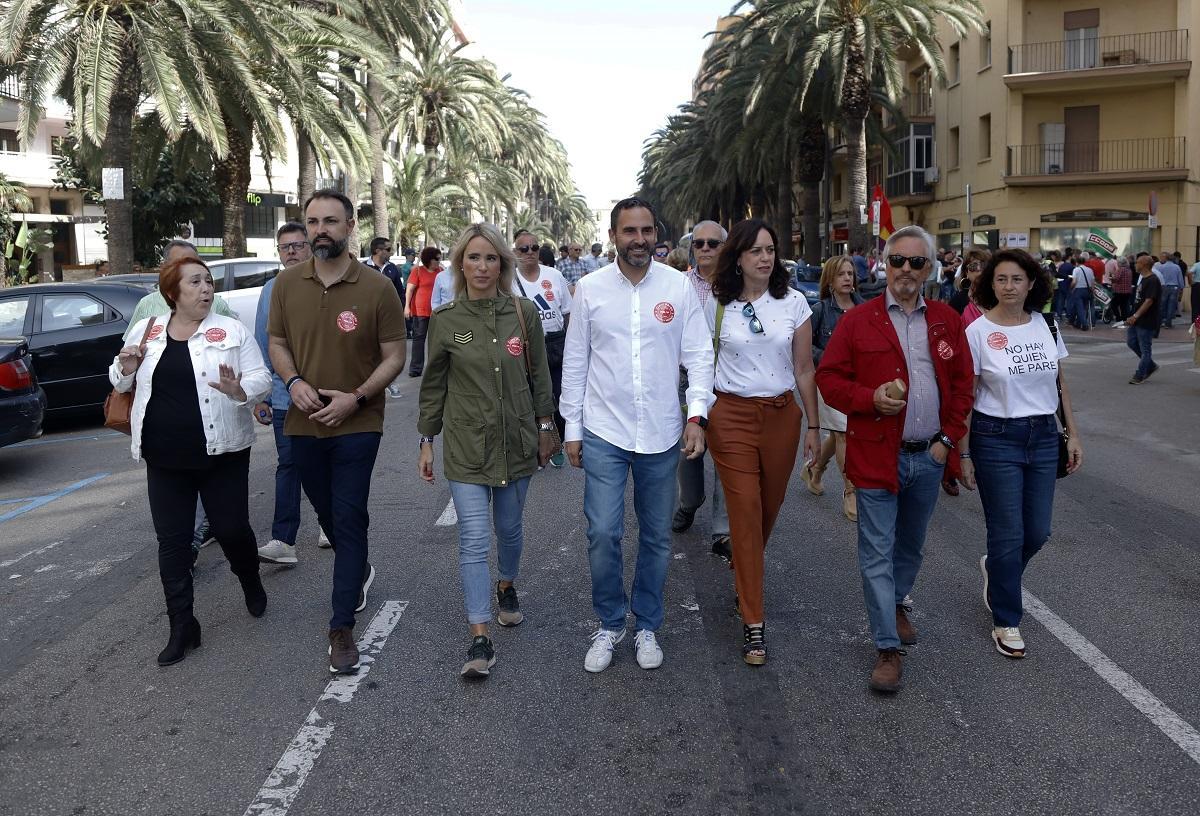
[
  {"x": 573, "y": 432},
  {"x": 698, "y": 408}
]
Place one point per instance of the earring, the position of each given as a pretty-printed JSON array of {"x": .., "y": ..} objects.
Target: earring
[{"x": 738, "y": 271}]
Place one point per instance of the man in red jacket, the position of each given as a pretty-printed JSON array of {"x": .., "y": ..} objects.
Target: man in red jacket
[{"x": 896, "y": 449}]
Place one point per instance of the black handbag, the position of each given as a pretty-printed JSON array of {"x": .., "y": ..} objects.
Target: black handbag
[{"x": 1064, "y": 457}]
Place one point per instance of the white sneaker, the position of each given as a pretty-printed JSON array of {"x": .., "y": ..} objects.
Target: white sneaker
[
  {"x": 983, "y": 568},
  {"x": 277, "y": 552},
  {"x": 600, "y": 653},
  {"x": 322, "y": 539},
  {"x": 649, "y": 654},
  {"x": 1008, "y": 641},
  {"x": 393, "y": 391}
]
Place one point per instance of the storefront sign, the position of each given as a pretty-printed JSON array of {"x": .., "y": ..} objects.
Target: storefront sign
[{"x": 1016, "y": 240}]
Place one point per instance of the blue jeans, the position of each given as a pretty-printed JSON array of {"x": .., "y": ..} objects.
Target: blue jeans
[
  {"x": 336, "y": 474},
  {"x": 1062, "y": 297},
  {"x": 1139, "y": 341},
  {"x": 286, "y": 523},
  {"x": 606, "y": 470},
  {"x": 475, "y": 539},
  {"x": 1170, "y": 305},
  {"x": 1016, "y": 462},
  {"x": 1081, "y": 307},
  {"x": 891, "y": 540}
]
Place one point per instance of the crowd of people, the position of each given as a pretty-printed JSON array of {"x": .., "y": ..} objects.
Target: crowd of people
[{"x": 625, "y": 367}]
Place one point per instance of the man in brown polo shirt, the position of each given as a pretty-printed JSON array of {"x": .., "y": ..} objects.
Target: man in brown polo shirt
[{"x": 337, "y": 340}]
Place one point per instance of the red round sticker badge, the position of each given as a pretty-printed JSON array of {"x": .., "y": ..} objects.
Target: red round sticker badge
[
  {"x": 214, "y": 335},
  {"x": 347, "y": 321},
  {"x": 547, "y": 284},
  {"x": 155, "y": 333},
  {"x": 549, "y": 296},
  {"x": 997, "y": 340},
  {"x": 945, "y": 350},
  {"x": 514, "y": 346},
  {"x": 664, "y": 312}
]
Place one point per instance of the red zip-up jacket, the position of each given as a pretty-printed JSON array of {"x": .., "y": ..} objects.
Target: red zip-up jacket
[{"x": 864, "y": 353}]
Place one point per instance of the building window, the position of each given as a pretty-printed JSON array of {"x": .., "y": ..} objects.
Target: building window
[
  {"x": 954, "y": 65},
  {"x": 1081, "y": 39},
  {"x": 985, "y": 136},
  {"x": 985, "y": 46},
  {"x": 953, "y": 157},
  {"x": 259, "y": 222},
  {"x": 57, "y": 145},
  {"x": 837, "y": 186},
  {"x": 9, "y": 141}
]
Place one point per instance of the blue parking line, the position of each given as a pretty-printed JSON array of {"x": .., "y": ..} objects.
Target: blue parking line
[
  {"x": 41, "y": 501},
  {"x": 53, "y": 440}
]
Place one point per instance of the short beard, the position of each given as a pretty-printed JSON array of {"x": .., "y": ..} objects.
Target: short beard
[
  {"x": 334, "y": 250},
  {"x": 623, "y": 254}
]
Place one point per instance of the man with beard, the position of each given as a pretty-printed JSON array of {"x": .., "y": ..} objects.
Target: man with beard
[
  {"x": 337, "y": 340},
  {"x": 633, "y": 323},
  {"x": 897, "y": 444}
]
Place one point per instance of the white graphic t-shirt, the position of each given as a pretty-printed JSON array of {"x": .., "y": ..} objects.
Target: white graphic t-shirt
[
  {"x": 1017, "y": 367},
  {"x": 549, "y": 293}
]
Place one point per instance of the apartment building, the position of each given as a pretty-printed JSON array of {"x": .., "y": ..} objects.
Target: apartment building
[{"x": 1063, "y": 118}]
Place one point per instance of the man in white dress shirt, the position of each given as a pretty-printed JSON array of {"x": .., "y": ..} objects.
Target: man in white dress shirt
[{"x": 633, "y": 324}]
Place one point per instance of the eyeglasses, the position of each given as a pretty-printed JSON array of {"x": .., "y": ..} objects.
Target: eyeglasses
[
  {"x": 711, "y": 243},
  {"x": 293, "y": 246},
  {"x": 661, "y": 254},
  {"x": 974, "y": 266},
  {"x": 527, "y": 249},
  {"x": 756, "y": 326},
  {"x": 914, "y": 261}
]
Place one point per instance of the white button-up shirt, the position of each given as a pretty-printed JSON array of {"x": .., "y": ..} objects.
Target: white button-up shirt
[{"x": 625, "y": 344}]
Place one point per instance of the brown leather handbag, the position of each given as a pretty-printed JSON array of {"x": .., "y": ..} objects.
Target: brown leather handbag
[{"x": 118, "y": 407}]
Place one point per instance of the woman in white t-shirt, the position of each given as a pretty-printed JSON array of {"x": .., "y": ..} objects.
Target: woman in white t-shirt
[
  {"x": 764, "y": 351},
  {"x": 1011, "y": 451}
]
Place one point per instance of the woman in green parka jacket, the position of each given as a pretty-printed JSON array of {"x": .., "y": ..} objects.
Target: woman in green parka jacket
[{"x": 487, "y": 387}]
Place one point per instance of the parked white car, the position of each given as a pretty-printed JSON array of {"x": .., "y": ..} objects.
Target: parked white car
[{"x": 240, "y": 282}]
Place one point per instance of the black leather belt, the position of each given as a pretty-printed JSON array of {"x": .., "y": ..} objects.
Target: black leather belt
[{"x": 914, "y": 446}]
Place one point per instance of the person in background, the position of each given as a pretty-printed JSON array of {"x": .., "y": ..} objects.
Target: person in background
[
  {"x": 418, "y": 304},
  {"x": 443, "y": 288},
  {"x": 1011, "y": 450},
  {"x": 754, "y": 422},
  {"x": 546, "y": 256},
  {"x": 611, "y": 256},
  {"x": 961, "y": 301},
  {"x": 595, "y": 260},
  {"x": 292, "y": 243},
  {"x": 406, "y": 269},
  {"x": 837, "y": 296},
  {"x": 1172, "y": 284},
  {"x": 1193, "y": 281},
  {"x": 1082, "y": 279},
  {"x": 862, "y": 271},
  {"x": 1122, "y": 287},
  {"x": 661, "y": 250},
  {"x": 101, "y": 268},
  {"x": 197, "y": 374},
  {"x": 1143, "y": 323},
  {"x": 499, "y": 426},
  {"x": 380, "y": 259},
  {"x": 678, "y": 259},
  {"x": 573, "y": 267}
]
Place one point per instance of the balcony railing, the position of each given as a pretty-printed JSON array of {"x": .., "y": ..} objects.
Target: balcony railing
[
  {"x": 9, "y": 88},
  {"x": 1099, "y": 52},
  {"x": 906, "y": 184},
  {"x": 1116, "y": 156}
]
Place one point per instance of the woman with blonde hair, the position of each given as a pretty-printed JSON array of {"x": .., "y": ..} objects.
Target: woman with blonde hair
[
  {"x": 837, "y": 296},
  {"x": 486, "y": 380}
]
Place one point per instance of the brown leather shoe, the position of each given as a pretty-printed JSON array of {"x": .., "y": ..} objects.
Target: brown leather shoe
[
  {"x": 904, "y": 627},
  {"x": 885, "y": 676},
  {"x": 343, "y": 652}
]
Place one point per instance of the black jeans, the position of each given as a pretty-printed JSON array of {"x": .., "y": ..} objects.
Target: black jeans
[
  {"x": 555, "y": 346},
  {"x": 420, "y": 328},
  {"x": 222, "y": 486},
  {"x": 1195, "y": 301}
]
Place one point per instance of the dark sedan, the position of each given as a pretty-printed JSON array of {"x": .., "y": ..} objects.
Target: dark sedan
[
  {"x": 22, "y": 403},
  {"x": 74, "y": 330}
]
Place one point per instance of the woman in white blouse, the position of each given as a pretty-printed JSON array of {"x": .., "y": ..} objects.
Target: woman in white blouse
[
  {"x": 1011, "y": 451},
  {"x": 764, "y": 351}
]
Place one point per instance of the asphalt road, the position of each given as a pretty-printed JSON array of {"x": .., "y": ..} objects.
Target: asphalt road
[{"x": 1100, "y": 718}]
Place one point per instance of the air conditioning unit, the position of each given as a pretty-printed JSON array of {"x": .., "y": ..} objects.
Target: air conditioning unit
[{"x": 931, "y": 175}]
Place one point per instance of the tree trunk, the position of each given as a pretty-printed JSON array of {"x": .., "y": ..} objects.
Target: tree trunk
[
  {"x": 784, "y": 210},
  {"x": 811, "y": 170},
  {"x": 306, "y": 157},
  {"x": 856, "y": 104},
  {"x": 377, "y": 135},
  {"x": 232, "y": 175},
  {"x": 354, "y": 243},
  {"x": 758, "y": 201},
  {"x": 117, "y": 151}
]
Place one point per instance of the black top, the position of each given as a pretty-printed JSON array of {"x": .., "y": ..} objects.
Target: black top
[
  {"x": 1148, "y": 287},
  {"x": 173, "y": 430}
]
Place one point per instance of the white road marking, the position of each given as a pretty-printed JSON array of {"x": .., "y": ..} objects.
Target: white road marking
[
  {"x": 1175, "y": 727},
  {"x": 449, "y": 516},
  {"x": 23, "y": 556},
  {"x": 283, "y": 784}
]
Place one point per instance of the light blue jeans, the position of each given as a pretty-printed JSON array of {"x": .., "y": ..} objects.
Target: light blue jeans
[
  {"x": 475, "y": 539},
  {"x": 891, "y": 540},
  {"x": 606, "y": 468}
]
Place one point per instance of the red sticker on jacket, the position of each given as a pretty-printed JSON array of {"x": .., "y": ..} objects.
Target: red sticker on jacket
[
  {"x": 214, "y": 335},
  {"x": 347, "y": 321},
  {"x": 945, "y": 350},
  {"x": 155, "y": 332},
  {"x": 664, "y": 312},
  {"x": 997, "y": 340},
  {"x": 514, "y": 346}
]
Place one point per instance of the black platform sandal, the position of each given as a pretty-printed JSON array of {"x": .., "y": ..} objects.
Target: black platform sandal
[{"x": 754, "y": 649}]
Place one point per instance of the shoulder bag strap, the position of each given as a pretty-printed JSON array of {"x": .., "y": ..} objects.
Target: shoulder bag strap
[
  {"x": 717, "y": 333},
  {"x": 1062, "y": 416},
  {"x": 521, "y": 286},
  {"x": 524, "y": 340}
]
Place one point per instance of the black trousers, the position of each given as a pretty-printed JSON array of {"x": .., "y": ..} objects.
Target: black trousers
[
  {"x": 1195, "y": 301},
  {"x": 556, "y": 343},
  {"x": 223, "y": 486},
  {"x": 420, "y": 328}
]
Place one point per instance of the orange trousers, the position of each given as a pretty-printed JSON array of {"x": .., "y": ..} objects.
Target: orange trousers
[{"x": 754, "y": 441}]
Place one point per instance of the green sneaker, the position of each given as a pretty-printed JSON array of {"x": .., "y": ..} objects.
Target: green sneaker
[{"x": 558, "y": 460}]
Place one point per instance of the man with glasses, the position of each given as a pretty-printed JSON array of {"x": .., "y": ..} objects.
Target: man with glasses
[
  {"x": 897, "y": 444},
  {"x": 707, "y": 239},
  {"x": 573, "y": 267},
  {"x": 548, "y": 290},
  {"x": 633, "y": 324},
  {"x": 661, "y": 250},
  {"x": 292, "y": 242}
]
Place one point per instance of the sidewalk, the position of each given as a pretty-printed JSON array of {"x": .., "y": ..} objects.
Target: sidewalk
[{"x": 1100, "y": 333}]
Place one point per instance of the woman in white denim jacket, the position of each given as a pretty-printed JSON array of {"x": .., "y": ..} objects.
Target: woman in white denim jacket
[{"x": 197, "y": 375}]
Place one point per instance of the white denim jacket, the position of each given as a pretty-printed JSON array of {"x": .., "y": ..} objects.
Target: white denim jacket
[{"x": 228, "y": 425}]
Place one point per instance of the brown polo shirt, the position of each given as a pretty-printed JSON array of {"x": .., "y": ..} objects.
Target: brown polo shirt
[{"x": 334, "y": 336}]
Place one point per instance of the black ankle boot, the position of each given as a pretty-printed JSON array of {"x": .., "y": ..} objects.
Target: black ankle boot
[
  {"x": 256, "y": 596},
  {"x": 185, "y": 634}
]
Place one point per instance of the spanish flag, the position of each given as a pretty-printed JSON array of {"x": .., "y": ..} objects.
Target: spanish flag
[{"x": 879, "y": 203}]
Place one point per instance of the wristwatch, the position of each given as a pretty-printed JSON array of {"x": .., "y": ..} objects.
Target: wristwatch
[
  {"x": 546, "y": 427},
  {"x": 945, "y": 440},
  {"x": 425, "y": 439},
  {"x": 699, "y": 420},
  {"x": 360, "y": 398}
]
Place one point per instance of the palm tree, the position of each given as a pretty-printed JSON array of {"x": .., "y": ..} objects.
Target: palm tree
[
  {"x": 13, "y": 196},
  {"x": 422, "y": 206}
]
